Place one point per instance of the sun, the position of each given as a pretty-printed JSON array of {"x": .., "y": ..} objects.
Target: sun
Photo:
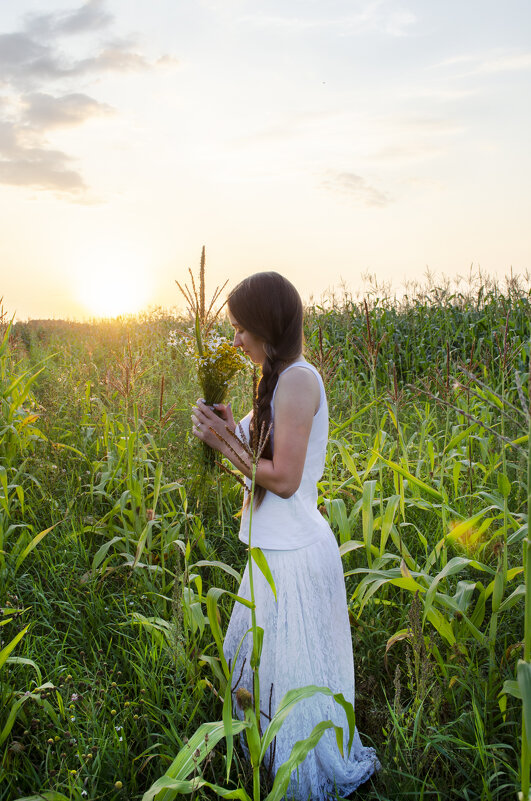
[{"x": 112, "y": 280}]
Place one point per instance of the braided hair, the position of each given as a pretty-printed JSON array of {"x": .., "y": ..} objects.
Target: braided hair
[{"x": 268, "y": 306}]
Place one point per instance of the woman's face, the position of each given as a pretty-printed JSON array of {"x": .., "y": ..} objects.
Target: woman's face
[{"x": 252, "y": 345}]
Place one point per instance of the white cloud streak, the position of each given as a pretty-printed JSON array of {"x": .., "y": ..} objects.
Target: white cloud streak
[
  {"x": 356, "y": 188},
  {"x": 489, "y": 63},
  {"x": 379, "y": 16}
]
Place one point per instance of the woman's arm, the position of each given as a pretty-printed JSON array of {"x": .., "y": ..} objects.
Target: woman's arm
[{"x": 296, "y": 401}]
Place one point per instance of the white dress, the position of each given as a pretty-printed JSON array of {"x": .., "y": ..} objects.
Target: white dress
[{"x": 307, "y": 638}]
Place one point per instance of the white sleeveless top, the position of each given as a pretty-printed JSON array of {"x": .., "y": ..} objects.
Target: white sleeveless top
[{"x": 287, "y": 523}]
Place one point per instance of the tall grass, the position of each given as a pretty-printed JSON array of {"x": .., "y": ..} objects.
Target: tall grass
[{"x": 111, "y": 542}]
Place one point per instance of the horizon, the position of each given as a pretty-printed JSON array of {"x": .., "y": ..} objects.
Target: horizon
[{"x": 467, "y": 286}]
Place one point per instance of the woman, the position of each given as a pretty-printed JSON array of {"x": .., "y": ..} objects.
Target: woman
[{"x": 307, "y": 636}]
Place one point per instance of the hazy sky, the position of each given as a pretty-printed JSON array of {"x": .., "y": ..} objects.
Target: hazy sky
[{"x": 321, "y": 138}]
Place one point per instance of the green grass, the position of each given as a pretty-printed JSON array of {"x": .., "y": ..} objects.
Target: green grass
[{"x": 110, "y": 604}]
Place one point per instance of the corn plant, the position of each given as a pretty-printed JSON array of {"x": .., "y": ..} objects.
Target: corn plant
[{"x": 13, "y": 700}]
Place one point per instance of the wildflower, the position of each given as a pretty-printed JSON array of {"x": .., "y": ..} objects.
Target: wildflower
[
  {"x": 118, "y": 785},
  {"x": 113, "y": 712},
  {"x": 74, "y": 697},
  {"x": 217, "y": 360}
]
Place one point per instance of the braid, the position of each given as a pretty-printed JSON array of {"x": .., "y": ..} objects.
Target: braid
[
  {"x": 276, "y": 359},
  {"x": 266, "y": 387}
]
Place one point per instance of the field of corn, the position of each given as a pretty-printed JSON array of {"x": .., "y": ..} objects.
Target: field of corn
[{"x": 119, "y": 549}]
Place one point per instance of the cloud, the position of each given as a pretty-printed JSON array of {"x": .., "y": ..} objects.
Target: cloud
[
  {"x": 514, "y": 62},
  {"x": 39, "y": 69},
  {"x": 490, "y": 63},
  {"x": 118, "y": 57},
  {"x": 356, "y": 187},
  {"x": 91, "y": 16},
  {"x": 44, "y": 111},
  {"x": 376, "y": 16},
  {"x": 24, "y": 62},
  {"x": 17, "y": 51},
  {"x": 43, "y": 169},
  {"x": 26, "y": 161}
]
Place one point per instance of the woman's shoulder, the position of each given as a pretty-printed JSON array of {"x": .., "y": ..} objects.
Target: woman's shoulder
[
  {"x": 300, "y": 379},
  {"x": 299, "y": 371}
]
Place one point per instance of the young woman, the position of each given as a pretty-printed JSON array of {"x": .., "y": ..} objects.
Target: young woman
[{"x": 307, "y": 637}]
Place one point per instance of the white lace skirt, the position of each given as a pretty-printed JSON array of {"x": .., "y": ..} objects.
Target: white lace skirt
[{"x": 307, "y": 640}]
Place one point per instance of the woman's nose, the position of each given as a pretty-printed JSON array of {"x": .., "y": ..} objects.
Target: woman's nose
[{"x": 237, "y": 341}]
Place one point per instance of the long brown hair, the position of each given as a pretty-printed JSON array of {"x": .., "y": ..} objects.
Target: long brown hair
[{"x": 268, "y": 306}]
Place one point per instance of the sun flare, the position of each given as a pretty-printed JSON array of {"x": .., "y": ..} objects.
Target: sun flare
[{"x": 111, "y": 281}]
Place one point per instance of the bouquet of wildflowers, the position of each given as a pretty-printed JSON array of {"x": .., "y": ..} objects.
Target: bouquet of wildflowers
[
  {"x": 217, "y": 360},
  {"x": 217, "y": 363}
]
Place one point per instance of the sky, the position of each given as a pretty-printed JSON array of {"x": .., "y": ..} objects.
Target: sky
[{"x": 325, "y": 139}]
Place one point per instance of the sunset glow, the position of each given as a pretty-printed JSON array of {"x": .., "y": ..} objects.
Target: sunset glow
[
  {"x": 326, "y": 140},
  {"x": 111, "y": 282}
]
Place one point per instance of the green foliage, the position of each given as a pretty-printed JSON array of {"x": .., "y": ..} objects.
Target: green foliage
[{"x": 119, "y": 562}]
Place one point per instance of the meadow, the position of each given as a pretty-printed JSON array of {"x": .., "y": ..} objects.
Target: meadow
[{"x": 113, "y": 532}]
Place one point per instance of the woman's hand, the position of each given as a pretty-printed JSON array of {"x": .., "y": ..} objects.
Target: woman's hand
[
  {"x": 225, "y": 412},
  {"x": 217, "y": 417}
]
